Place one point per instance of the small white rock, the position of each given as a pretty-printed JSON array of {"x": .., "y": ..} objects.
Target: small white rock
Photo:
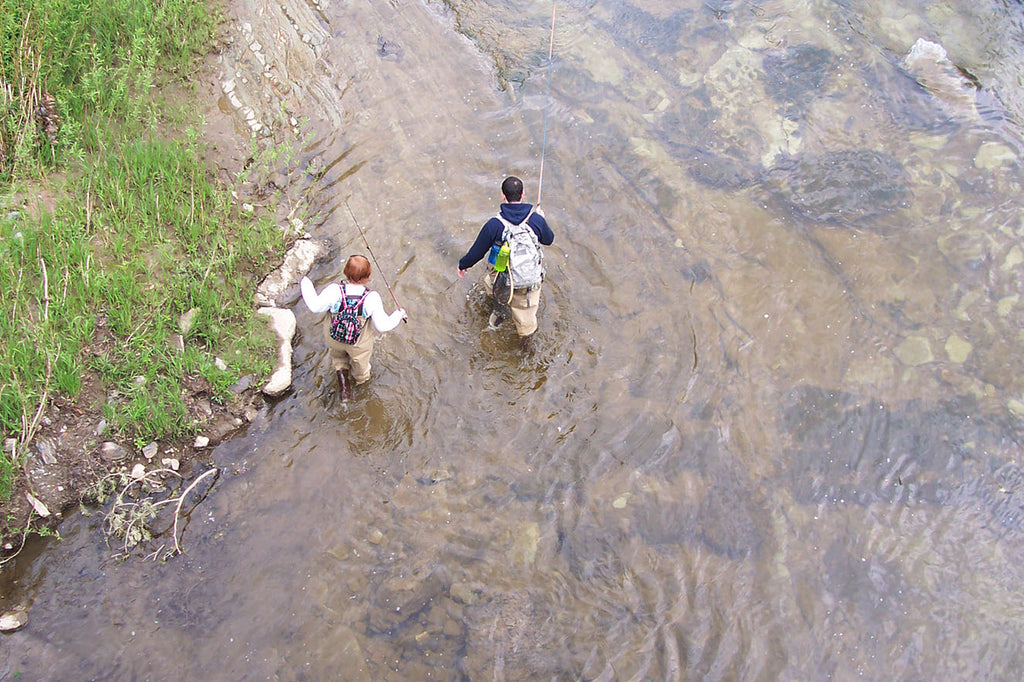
[
  {"x": 186, "y": 320},
  {"x": 202, "y": 441},
  {"x": 14, "y": 619},
  {"x": 37, "y": 505},
  {"x": 170, "y": 463},
  {"x": 138, "y": 471}
]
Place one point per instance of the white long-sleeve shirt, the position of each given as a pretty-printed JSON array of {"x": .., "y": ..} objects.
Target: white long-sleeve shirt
[{"x": 330, "y": 297}]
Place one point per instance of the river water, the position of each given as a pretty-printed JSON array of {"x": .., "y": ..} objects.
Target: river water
[{"x": 772, "y": 422}]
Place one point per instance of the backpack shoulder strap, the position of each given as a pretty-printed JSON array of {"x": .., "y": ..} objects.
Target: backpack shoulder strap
[
  {"x": 359, "y": 304},
  {"x": 509, "y": 225}
]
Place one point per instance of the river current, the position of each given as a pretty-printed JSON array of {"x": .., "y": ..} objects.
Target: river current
[{"x": 771, "y": 424}]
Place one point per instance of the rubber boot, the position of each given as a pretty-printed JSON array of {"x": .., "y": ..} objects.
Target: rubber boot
[{"x": 344, "y": 388}]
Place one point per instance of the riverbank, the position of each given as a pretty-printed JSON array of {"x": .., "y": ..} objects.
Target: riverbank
[{"x": 136, "y": 250}]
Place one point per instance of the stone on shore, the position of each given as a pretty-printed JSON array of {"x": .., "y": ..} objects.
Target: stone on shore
[
  {"x": 186, "y": 321},
  {"x": 297, "y": 262},
  {"x": 282, "y": 323},
  {"x": 14, "y": 619},
  {"x": 112, "y": 452}
]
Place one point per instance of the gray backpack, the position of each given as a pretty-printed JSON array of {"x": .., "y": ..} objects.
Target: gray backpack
[{"x": 524, "y": 254}]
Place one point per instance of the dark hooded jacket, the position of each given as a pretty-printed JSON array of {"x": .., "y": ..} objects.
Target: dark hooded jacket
[{"x": 490, "y": 233}]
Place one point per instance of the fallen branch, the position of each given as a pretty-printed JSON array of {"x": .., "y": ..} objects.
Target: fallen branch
[
  {"x": 181, "y": 500},
  {"x": 128, "y": 520}
]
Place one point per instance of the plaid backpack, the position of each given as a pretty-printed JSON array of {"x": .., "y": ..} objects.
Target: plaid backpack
[{"x": 345, "y": 326}]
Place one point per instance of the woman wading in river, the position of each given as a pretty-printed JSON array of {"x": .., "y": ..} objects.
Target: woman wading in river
[{"x": 347, "y": 331}]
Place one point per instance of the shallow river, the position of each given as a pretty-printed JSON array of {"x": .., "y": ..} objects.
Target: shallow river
[{"x": 772, "y": 423}]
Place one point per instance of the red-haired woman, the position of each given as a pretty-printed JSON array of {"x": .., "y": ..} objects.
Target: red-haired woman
[{"x": 348, "y": 335}]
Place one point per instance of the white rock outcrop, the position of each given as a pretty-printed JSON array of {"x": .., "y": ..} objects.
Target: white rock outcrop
[
  {"x": 282, "y": 323},
  {"x": 297, "y": 262}
]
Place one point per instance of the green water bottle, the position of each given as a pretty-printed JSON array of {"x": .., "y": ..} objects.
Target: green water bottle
[{"x": 501, "y": 261}]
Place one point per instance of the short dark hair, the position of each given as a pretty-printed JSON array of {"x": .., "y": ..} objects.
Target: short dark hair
[
  {"x": 512, "y": 188},
  {"x": 357, "y": 269}
]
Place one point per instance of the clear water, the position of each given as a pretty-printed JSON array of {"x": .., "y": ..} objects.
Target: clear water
[{"x": 771, "y": 427}]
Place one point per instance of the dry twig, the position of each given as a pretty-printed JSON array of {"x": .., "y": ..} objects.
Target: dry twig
[{"x": 181, "y": 500}]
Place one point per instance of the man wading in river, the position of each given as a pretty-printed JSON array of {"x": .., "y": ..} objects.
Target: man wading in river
[{"x": 511, "y": 241}]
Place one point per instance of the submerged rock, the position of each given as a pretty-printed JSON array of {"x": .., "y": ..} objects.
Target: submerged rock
[
  {"x": 723, "y": 519},
  {"x": 958, "y": 349},
  {"x": 967, "y": 249},
  {"x": 730, "y": 525},
  {"x": 593, "y": 552},
  {"x": 400, "y": 598},
  {"x": 722, "y": 172},
  {"x": 993, "y": 155},
  {"x": 518, "y": 635},
  {"x": 908, "y": 103},
  {"x": 843, "y": 186},
  {"x": 795, "y": 74},
  {"x": 914, "y": 351},
  {"x": 849, "y": 449},
  {"x": 928, "y": 63}
]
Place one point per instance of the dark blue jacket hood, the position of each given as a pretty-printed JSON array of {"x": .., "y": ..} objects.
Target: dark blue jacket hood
[{"x": 515, "y": 213}]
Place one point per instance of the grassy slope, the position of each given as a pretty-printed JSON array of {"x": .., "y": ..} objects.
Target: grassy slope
[{"x": 132, "y": 230}]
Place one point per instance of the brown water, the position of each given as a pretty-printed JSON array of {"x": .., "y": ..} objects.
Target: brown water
[{"x": 771, "y": 427}]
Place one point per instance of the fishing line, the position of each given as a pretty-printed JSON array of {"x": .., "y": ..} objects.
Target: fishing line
[
  {"x": 370, "y": 251},
  {"x": 547, "y": 105}
]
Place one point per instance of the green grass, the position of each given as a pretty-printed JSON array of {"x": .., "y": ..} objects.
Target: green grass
[{"x": 136, "y": 231}]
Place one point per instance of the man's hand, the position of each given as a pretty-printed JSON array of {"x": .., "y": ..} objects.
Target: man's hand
[{"x": 462, "y": 273}]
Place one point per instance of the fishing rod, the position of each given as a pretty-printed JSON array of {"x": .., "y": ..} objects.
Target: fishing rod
[
  {"x": 370, "y": 251},
  {"x": 547, "y": 104}
]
